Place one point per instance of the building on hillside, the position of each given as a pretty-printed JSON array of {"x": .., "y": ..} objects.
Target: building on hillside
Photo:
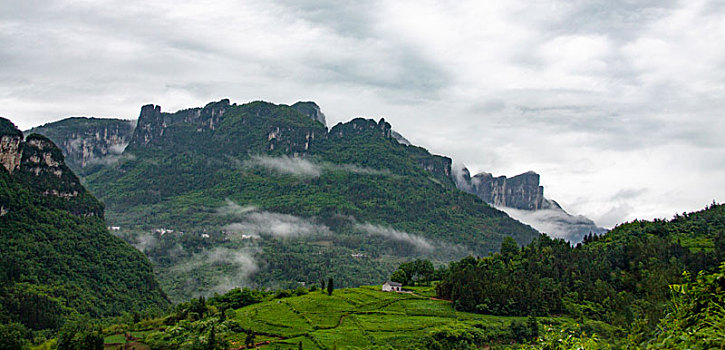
[{"x": 392, "y": 287}]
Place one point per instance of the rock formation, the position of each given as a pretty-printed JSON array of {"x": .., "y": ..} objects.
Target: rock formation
[
  {"x": 523, "y": 199},
  {"x": 87, "y": 142},
  {"x": 39, "y": 164}
]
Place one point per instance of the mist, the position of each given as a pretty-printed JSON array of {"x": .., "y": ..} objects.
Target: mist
[
  {"x": 418, "y": 242},
  {"x": 555, "y": 223},
  {"x": 305, "y": 168}
]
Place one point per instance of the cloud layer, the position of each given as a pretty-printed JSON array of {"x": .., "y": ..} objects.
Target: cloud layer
[{"x": 596, "y": 96}]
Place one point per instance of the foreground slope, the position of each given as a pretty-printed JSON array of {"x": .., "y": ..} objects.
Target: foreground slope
[
  {"x": 264, "y": 194},
  {"x": 58, "y": 257}
]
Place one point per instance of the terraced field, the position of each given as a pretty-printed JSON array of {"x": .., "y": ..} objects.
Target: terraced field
[{"x": 362, "y": 317}]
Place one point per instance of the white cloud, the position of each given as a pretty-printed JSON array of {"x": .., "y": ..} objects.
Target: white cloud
[
  {"x": 257, "y": 223},
  {"x": 418, "y": 242}
]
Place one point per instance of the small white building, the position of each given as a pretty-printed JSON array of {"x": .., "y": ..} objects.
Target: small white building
[{"x": 392, "y": 287}]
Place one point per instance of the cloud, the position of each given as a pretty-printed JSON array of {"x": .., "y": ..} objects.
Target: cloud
[
  {"x": 578, "y": 91},
  {"x": 418, "y": 242},
  {"x": 231, "y": 208},
  {"x": 555, "y": 223},
  {"x": 259, "y": 223},
  {"x": 235, "y": 266},
  {"x": 286, "y": 165},
  {"x": 306, "y": 168}
]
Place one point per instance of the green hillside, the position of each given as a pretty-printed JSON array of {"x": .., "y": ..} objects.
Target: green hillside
[
  {"x": 58, "y": 258},
  {"x": 272, "y": 197},
  {"x": 361, "y": 318}
]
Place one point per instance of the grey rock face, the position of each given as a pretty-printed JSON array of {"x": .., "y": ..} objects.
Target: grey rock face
[
  {"x": 311, "y": 110},
  {"x": 88, "y": 141},
  {"x": 522, "y": 197}
]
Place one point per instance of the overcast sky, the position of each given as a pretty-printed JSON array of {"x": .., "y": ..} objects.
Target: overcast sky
[{"x": 619, "y": 105}]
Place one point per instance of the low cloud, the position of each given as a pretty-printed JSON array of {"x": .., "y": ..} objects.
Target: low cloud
[
  {"x": 236, "y": 268},
  {"x": 555, "y": 223},
  {"x": 286, "y": 165},
  {"x": 418, "y": 242},
  {"x": 258, "y": 223},
  {"x": 305, "y": 168},
  {"x": 234, "y": 209}
]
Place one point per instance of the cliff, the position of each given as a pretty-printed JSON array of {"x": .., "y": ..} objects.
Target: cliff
[
  {"x": 522, "y": 197},
  {"x": 87, "y": 143},
  {"x": 39, "y": 164}
]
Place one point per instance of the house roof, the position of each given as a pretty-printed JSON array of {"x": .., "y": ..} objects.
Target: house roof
[{"x": 394, "y": 284}]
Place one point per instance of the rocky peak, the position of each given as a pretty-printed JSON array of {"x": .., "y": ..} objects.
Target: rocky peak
[
  {"x": 153, "y": 124},
  {"x": 359, "y": 126},
  {"x": 523, "y": 198},
  {"x": 519, "y": 192},
  {"x": 39, "y": 164},
  {"x": 311, "y": 110},
  {"x": 88, "y": 141}
]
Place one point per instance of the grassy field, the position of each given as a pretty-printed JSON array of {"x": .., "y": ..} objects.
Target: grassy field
[
  {"x": 362, "y": 317},
  {"x": 352, "y": 318}
]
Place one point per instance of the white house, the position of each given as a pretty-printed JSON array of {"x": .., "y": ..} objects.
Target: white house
[{"x": 392, "y": 287}]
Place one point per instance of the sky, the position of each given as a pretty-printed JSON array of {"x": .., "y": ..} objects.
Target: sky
[{"x": 619, "y": 105}]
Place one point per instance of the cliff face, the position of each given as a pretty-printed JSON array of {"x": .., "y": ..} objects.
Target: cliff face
[
  {"x": 311, "y": 110},
  {"x": 519, "y": 192},
  {"x": 39, "y": 164},
  {"x": 522, "y": 197},
  {"x": 86, "y": 142}
]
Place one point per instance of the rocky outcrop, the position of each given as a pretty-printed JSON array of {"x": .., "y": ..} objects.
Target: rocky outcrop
[
  {"x": 88, "y": 141},
  {"x": 519, "y": 192},
  {"x": 312, "y": 110},
  {"x": 360, "y": 126},
  {"x": 38, "y": 163},
  {"x": 522, "y": 197},
  {"x": 153, "y": 124}
]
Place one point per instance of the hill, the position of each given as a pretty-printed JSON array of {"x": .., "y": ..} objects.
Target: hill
[
  {"x": 58, "y": 258},
  {"x": 265, "y": 195}
]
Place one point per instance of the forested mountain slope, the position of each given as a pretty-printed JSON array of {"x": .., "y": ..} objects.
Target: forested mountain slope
[
  {"x": 58, "y": 258},
  {"x": 263, "y": 194}
]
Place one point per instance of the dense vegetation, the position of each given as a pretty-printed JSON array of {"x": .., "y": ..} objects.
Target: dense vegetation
[
  {"x": 58, "y": 259},
  {"x": 622, "y": 278},
  {"x": 181, "y": 170}
]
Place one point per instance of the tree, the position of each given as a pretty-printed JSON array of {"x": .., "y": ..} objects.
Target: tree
[
  {"x": 509, "y": 247},
  {"x": 533, "y": 325},
  {"x": 330, "y": 286},
  {"x": 399, "y": 276},
  {"x": 249, "y": 341}
]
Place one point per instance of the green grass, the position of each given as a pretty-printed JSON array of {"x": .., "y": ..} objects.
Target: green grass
[{"x": 353, "y": 318}]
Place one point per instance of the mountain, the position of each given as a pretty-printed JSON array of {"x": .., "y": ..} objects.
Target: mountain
[
  {"x": 261, "y": 194},
  {"x": 523, "y": 198},
  {"x": 88, "y": 143},
  {"x": 58, "y": 258}
]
